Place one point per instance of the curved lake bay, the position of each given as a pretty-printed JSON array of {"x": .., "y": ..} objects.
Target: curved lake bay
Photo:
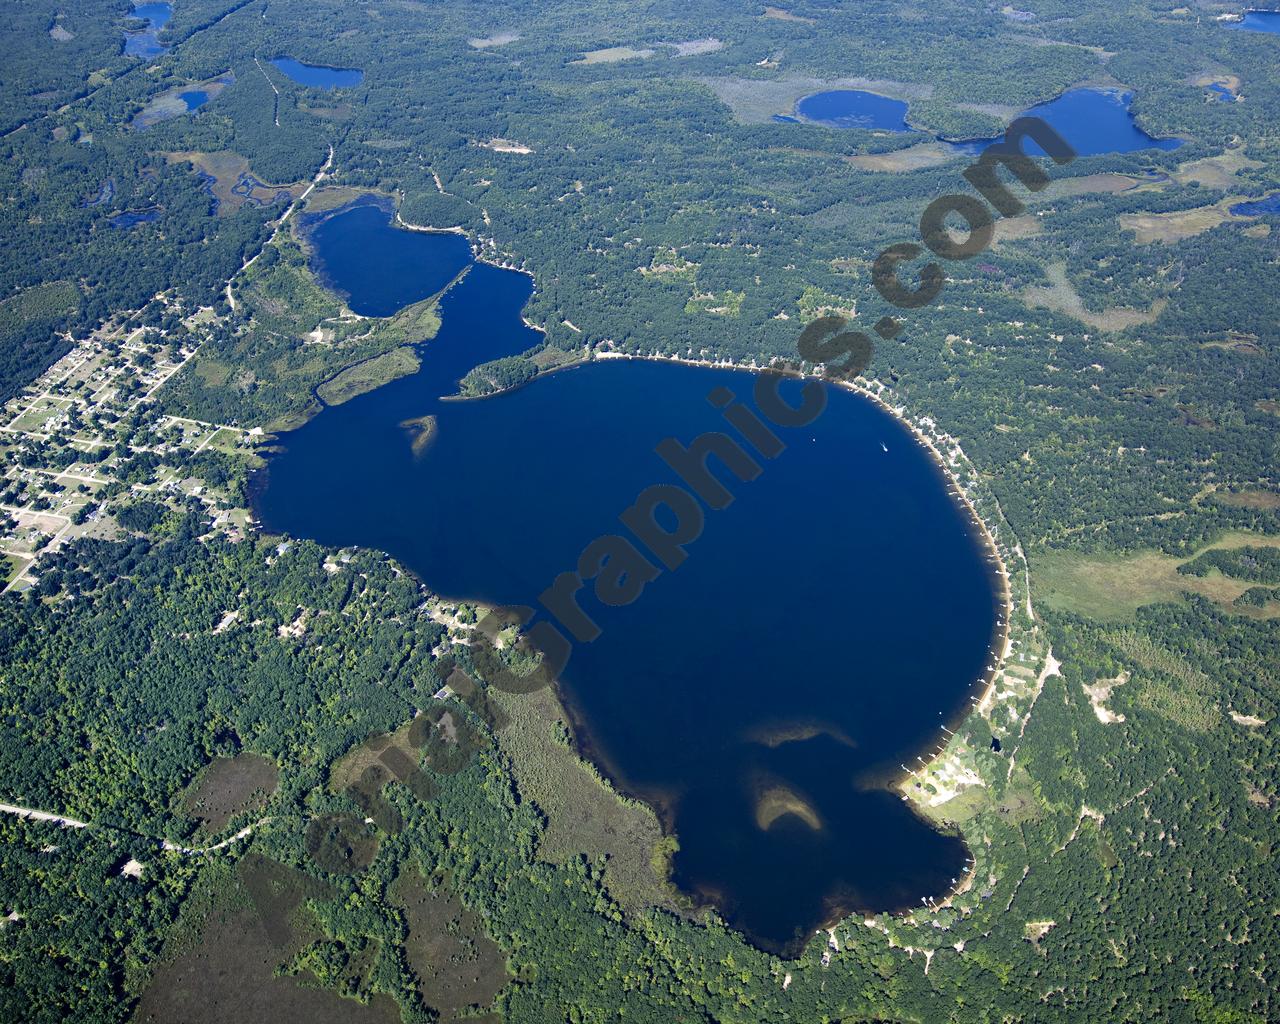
[{"x": 822, "y": 629}]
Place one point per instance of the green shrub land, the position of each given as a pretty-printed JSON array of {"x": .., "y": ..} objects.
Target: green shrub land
[{"x": 1125, "y": 835}]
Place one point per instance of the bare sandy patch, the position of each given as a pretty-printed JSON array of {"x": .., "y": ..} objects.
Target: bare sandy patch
[
  {"x": 613, "y": 54},
  {"x": 1061, "y": 297},
  {"x": 1257, "y": 231},
  {"x": 505, "y": 146},
  {"x": 696, "y": 47},
  {"x": 1250, "y": 721},
  {"x": 497, "y": 39},
  {"x": 1100, "y": 692}
]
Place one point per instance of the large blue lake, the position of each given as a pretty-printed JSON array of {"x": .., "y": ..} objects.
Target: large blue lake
[
  {"x": 822, "y": 629},
  {"x": 317, "y": 75}
]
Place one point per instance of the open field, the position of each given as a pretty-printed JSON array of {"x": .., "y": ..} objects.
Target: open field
[
  {"x": 458, "y": 965},
  {"x": 1177, "y": 224},
  {"x": 1217, "y": 172},
  {"x": 912, "y": 158},
  {"x": 1115, "y": 586},
  {"x": 230, "y": 786},
  {"x": 226, "y": 972},
  {"x": 1062, "y": 297},
  {"x": 233, "y": 183},
  {"x": 613, "y": 54}
]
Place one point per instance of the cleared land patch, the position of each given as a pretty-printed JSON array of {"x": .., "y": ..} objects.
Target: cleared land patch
[
  {"x": 1177, "y": 224},
  {"x": 497, "y": 39},
  {"x": 912, "y": 158},
  {"x": 779, "y": 14},
  {"x": 613, "y": 54},
  {"x": 1060, "y": 295},
  {"x": 230, "y": 786},
  {"x": 232, "y": 182},
  {"x": 458, "y": 965},
  {"x": 1115, "y": 586},
  {"x": 254, "y": 924},
  {"x": 1218, "y": 172}
]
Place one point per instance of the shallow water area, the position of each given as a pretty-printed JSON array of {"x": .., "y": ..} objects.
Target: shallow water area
[{"x": 145, "y": 42}]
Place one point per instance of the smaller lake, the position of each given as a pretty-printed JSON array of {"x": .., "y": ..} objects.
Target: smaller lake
[
  {"x": 1221, "y": 92},
  {"x": 377, "y": 268},
  {"x": 1258, "y": 21},
  {"x": 132, "y": 218},
  {"x": 194, "y": 98},
  {"x": 145, "y": 42},
  {"x": 1093, "y": 121},
  {"x": 854, "y": 108},
  {"x": 1257, "y": 207},
  {"x": 317, "y": 75}
]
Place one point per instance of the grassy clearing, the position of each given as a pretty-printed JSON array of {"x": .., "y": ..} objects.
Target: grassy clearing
[
  {"x": 913, "y": 158},
  {"x": 364, "y": 377},
  {"x": 222, "y": 960},
  {"x": 716, "y": 303},
  {"x": 1113, "y": 587},
  {"x": 1060, "y": 295},
  {"x": 230, "y": 786},
  {"x": 584, "y": 814},
  {"x": 1178, "y": 224},
  {"x": 1256, "y": 499},
  {"x": 458, "y": 965},
  {"x": 229, "y": 170},
  {"x": 613, "y": 54},
  {"x": 778, "y": 14},
  {"x": 1219, "y": 172}
]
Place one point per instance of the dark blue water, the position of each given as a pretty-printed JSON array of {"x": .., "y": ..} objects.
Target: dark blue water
[
  {"x": 194, "y": 99},
  {"x": 822, "y": 629},
  {"x": 380, "y": 269},
  {"x": 1258, "y": 207},
  {"x": 1258, "y": 21},
  {"x": 132, "y": 218},
  {"x": 1093, "y": 121},
  {"x": 145, "y": 43},
  {"x": 1221, "y": 93},
  {"x": 318, "y": 76},
  {"x": 853, "y": 108}
]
